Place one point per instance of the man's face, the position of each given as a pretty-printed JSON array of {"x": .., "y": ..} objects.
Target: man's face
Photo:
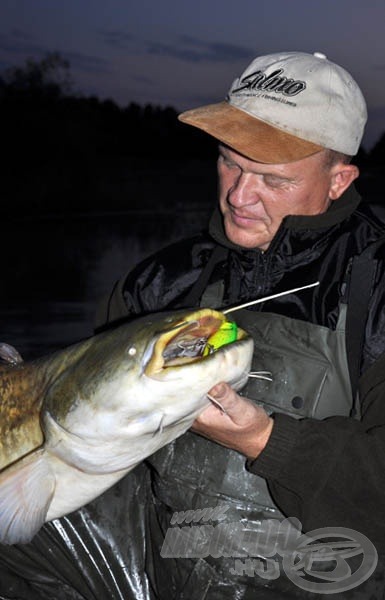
[{"x": 255, "y": 197}]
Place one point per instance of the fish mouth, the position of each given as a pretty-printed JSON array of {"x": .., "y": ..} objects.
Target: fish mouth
[{"x": 193, "y": 339}]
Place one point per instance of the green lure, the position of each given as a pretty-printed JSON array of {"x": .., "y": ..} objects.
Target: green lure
[{"x": 227, "y": 333}]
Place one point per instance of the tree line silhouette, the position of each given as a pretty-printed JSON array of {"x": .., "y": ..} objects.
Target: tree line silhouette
[{"x": 65, "y": 152}]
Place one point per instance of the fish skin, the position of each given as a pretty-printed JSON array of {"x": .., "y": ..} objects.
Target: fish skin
[{"x": 75, "y": 422}]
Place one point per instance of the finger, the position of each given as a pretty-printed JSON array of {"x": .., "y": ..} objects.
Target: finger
[
  {"x": 229, "y": 402},
  {"x": 225, "y": 396},
  {"x": 220, "y": 390},
  {"x": 217, "y": 403}
]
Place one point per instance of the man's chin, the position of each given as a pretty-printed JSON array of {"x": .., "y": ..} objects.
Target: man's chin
[{"x": 246, "y": 238}]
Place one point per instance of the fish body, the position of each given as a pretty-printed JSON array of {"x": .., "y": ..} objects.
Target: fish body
[{"x": 75, "y": 422}]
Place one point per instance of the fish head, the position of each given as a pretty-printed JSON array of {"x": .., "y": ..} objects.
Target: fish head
[
  {"x": 181, "y": 363},
  {"x": 108, "y": 403},
  {"x": 150, "y": 375}
]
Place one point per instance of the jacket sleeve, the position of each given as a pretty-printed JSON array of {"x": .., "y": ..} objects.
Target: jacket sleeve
[
  {"x": 331, "y": 473},
  {"x": 159, "y": 282}
]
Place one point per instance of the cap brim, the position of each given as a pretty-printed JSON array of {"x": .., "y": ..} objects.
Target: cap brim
[{"x": 248, "y": 135}]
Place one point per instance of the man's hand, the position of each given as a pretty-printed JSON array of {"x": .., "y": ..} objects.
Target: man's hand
[{"x": 241, "y": 425}]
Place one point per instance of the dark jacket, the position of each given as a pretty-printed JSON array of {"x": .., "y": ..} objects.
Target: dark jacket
[
  {"x": 304, "y": 250},
  {"x": 308, "y": 464}
]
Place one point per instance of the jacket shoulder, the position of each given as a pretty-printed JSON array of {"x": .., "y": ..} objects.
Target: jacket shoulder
[
  {"x": 159, "y": 281},
  {"x": 373, "y": 215},
  {"x": 169, "y": 270}
]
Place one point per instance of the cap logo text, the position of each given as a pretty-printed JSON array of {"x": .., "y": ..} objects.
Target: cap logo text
[{"x": 275, "y": 82}]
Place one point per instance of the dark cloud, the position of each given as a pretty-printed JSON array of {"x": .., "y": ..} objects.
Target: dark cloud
[
  {"x": 20, "y": 34},
  {"x": 202, "y": 99},
  {"x": 142, "y": 79},
  {"x": 194, "y": 50},
  {"x": 86, "y": 62},
  {"x": 118, "y": 39},
  {"x": 185, "y": 47},
  {"x": 18, "y": 46}
]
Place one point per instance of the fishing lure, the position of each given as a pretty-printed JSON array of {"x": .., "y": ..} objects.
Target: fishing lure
[{"x": 227, "y": 333}]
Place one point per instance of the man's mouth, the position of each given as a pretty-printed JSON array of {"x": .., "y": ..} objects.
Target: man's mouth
[{"x": 242, "y": 218}]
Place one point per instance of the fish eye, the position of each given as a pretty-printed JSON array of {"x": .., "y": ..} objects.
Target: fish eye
[{"x": 132, "y": 351}]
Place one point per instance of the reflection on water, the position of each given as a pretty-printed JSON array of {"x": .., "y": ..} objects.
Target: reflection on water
[{"x": 55, "y": 270}]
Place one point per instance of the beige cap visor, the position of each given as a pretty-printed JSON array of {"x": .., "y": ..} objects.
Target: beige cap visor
[{"x": 248, "y": 135}]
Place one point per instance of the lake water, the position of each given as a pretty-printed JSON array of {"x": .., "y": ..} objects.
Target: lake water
[{"x": 55, "y": 269}]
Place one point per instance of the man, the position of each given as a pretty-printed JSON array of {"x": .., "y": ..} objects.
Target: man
[
  {"x": 288, "y": 216},
  {"x": 291, "y": 447}
]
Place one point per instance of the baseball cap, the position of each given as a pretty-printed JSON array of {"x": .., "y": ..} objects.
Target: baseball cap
[{"x": 286, "y": 106}]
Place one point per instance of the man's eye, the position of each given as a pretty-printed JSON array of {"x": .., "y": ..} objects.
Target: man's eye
[
  {"x": 274, "y": 182},
  {"x": 227, "y": 162}
]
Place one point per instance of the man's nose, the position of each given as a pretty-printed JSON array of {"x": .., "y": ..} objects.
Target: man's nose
[{"x": 244, "y": 190}]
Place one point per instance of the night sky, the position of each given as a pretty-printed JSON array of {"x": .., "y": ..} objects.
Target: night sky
[{"x": 184, "y": 54}]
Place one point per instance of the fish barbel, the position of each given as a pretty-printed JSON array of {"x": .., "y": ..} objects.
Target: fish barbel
[{"x": 75, "y": 422}]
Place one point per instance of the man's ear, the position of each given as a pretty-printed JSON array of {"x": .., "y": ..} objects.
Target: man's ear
[{"x": 341, "y": 177}]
